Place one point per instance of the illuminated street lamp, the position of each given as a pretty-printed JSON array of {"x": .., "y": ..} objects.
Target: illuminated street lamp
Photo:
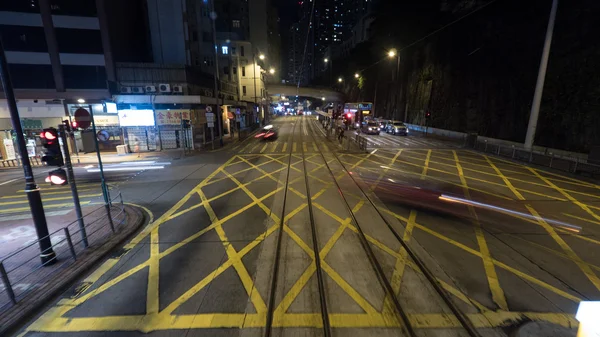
[
  {"x": 326, "y": 60},
  {"x": 340, "y": 79},
  {"x": 356, "y": 75},
  {"x": 271, "y": 71},
  {"x": 261, "y": 56},
  {"x": 323, "y": 98},
  {"x": 392, "y": 53}
]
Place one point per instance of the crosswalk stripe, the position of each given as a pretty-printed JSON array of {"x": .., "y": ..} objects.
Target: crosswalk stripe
[
  {"x": 45, "y": 193},
  {"x": 49, "y": 199},
  {"x": 21, "y": 209}
]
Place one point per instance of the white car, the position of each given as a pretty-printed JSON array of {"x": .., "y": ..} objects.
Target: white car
[{"x": 397, "y": 128}]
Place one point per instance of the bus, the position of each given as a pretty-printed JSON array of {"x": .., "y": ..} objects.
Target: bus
[{"x": 358, "y": 112}]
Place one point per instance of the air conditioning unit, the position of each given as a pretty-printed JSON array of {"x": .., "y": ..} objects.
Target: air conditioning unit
[
  {"x": 137, "y": 90},
  {"x": 150, "y": 88},
  {"x": 178, "y": 89},
  {"x": 126, "y": 90},
  {"x": 164, "y": 87}
]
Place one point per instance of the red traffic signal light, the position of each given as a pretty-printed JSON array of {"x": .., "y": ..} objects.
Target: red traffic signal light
[
  {"x": 53, "y": 155},
  {"x": 349, "y": 115},
  {"x": 49, "y": 135},
  {"x": 57, "y": 177}
]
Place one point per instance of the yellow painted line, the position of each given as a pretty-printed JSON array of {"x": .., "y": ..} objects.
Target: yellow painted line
[
  {"x": 274, "y": 149},
  {"x": 494, "y": 283},
  {"x": 325, "y": 148},
  {"x": 232, "y": 254},
  {"x": 152, "y": 292},
  {"x": 502, "y": 265},
  {"x": 21, "y": 209},
  {"x": 565, "y": 194},
  {"x": 401, "y": 260},
  {"x": 582, "y": 219},
  {"x": 294, "y": 148},
  {"x": 315, "y": 147},
  {"x": 304, "y": 147},
  {"x": 146, "y": 231},
  {"x": 284, "y": 147},
  {"x": 49, "y": 199},
  {"x": 264, "y": 148},
  {"x": 581, "y": 237},
  {"x": 253, "y": 149},
  {"x": 148, "y": 324},
  {"x": 428, "y": 177},
  {"x": 424, "y": 173}
]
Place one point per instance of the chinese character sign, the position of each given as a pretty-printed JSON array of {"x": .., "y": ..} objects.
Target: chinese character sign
[{"x": 171, "y": 116}]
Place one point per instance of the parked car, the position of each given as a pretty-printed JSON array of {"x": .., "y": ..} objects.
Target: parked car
[
  {"x": 370, "y": 128},
  {"x": 397, "y": 128}
]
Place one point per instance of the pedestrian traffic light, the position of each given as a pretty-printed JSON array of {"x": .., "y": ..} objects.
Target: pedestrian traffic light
[
  {"x": 186, "y": 123},
  {"x": 53, "y": 156},
  {"x": 57, "y": 177}
]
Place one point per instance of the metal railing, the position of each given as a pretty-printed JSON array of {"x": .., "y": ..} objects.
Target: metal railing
[
  {"x": 22, "y": 271},
  {"x": 563, "y": 163}
]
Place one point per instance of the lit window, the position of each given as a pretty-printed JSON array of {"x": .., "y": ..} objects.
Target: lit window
[
  {"x": 236, "y": 23},
  {"x": 224, "y": 50}
]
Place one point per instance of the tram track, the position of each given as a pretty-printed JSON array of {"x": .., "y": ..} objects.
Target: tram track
[{"x": 407, "y": 326}]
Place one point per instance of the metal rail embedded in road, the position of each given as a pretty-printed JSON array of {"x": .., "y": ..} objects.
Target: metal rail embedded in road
[
  {"x": 313, "y": 229},
  {"x": 461, "y": 317},
  {"x": 271, "y": 307}
]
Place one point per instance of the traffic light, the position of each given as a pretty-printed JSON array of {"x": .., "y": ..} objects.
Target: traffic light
[
  {"x": 57, "y": 177},
  {"x": 67, "y": 125},
  {"x": 53, "y": 156},
  {"x": 186, "y": 123},
  {"x": 428, "y": 115}
]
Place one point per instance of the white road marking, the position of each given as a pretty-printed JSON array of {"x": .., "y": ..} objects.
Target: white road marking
[{"x": 9, "y": 181}]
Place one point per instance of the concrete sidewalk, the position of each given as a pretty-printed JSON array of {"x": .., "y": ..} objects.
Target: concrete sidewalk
[{"x": 34, "y": 284}]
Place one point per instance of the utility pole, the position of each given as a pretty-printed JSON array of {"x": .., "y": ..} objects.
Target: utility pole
[
  {"x": 47, "y": 254},
  {"x": 539, "y": 86}
]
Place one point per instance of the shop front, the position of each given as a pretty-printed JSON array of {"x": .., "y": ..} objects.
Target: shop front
[
  {"x": 172, "y": 135},
  {"x": 138, "y": 125}
]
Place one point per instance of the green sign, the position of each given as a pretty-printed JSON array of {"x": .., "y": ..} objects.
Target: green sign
[{"x": 31, "y": 124}]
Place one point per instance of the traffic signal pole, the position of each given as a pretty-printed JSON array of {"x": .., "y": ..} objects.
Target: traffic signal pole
[
  {"x": 47, "y": 254},
  {"x": 72, "y": 184},
  {"x": 105, "y": 193}
]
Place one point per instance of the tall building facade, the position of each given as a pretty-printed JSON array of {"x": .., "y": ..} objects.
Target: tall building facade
[
  {"x": 328, "y": 23},
  {"x": 56, "y": 46}
]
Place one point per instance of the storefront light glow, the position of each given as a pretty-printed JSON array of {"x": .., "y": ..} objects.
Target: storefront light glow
[{"x": 142, "y": 117}]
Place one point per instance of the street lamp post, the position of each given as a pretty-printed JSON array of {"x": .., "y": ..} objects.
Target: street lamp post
[
  {"x": 539, "y": 86},
  {"x": 47, "y": 254},
  {"x": 395, "y": 75}
]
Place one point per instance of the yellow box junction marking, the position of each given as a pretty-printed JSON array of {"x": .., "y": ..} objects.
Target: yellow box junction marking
[
  {"x": 490, "y": 271},
  {"x": 54, "y": 320}
]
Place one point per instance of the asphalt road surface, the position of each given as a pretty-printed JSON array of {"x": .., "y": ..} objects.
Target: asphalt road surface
[{"x": 297, "y": 237}]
